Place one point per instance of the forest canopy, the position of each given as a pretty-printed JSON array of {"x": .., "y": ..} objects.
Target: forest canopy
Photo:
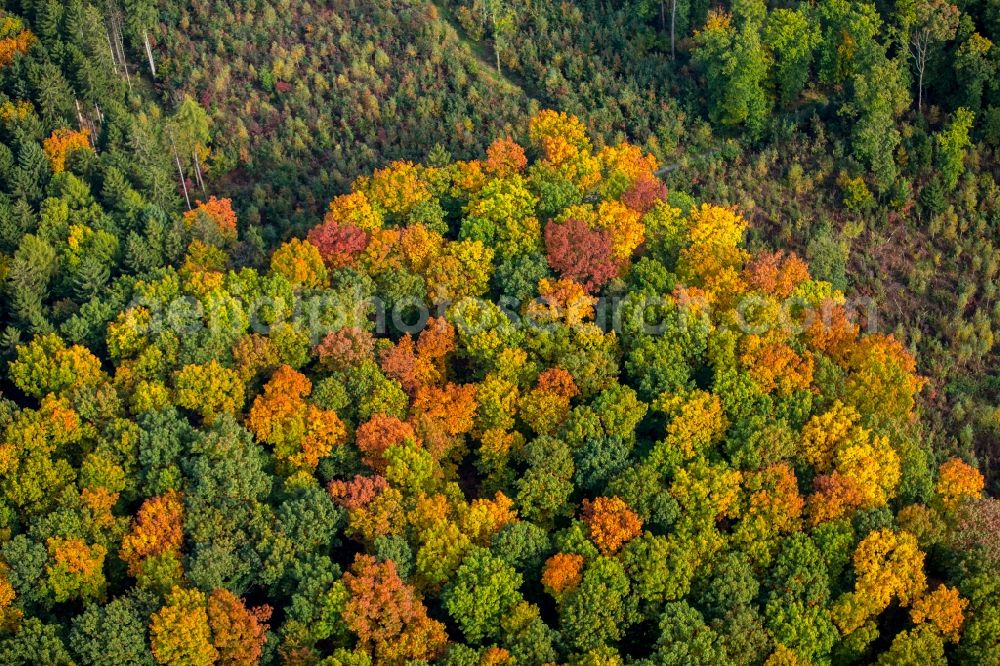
[
  {"x": 488, "y": 332},
  {"x": 254, "y": 467},
  {"x": 862, "y": 135}
]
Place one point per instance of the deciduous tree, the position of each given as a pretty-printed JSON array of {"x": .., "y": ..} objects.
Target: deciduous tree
[{"x": 389, "y": 619}]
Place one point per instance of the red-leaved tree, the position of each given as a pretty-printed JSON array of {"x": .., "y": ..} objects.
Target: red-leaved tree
[
  {"x": 387, "y": 616},
  {"x": 576, "y": 251},
  {"x": 338, "y": 244}
]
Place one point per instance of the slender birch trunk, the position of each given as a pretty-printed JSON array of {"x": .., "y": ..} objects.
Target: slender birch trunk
[{"x": 180, "y": 169}]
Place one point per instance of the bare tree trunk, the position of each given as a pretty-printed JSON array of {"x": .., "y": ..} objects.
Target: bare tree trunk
[
  {"x": 121, "y": 49},
  {"x": 197, "y": 170},
  {"x": 149, "y": 53},
  {"x": 673, "y": 23},
  {"x": 79, "y": 114},
  {"x": 120, "y": 44},
  {"x": 114, "y": 58},
  {"x": 128, "y": 79},
  {"x": 180, "y": 170},
  {"x": 920, "y": 58},
  {"x": 496, "y": 42},
  {"x": 86, "y": 125},
  {"x": 920, "y": 91}
]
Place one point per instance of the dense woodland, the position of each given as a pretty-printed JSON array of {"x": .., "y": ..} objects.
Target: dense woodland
[
  {"x": 841, "y": 129},
  {"x": 323, "y": 343}
]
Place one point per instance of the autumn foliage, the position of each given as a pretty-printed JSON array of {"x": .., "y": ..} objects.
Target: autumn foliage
[
  {"x": 300, "y": 432},
  {"x": 617, "y": 431},
  {"x": 63, "y": 143},
  {"x": 300, "y": 262},
  {"x": 338, "y": 244},
  {"x": 238, "y": 633},
  {"x": 157, "y": 531},
  {"x": 180, "y": 632},
  {"x": 387, "y": 615},
  {"x": 218, "y": 214},
  {"x": 505, "y": 157},
  {"x": 957, "y": 481},
  {"x": 15, "y": 40},
  {"x": 611, "y": 523},
  {"x": 378, "y": 434},
  {"x": 563, "y": 572},
  {"x": 580, "y": 253}
]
